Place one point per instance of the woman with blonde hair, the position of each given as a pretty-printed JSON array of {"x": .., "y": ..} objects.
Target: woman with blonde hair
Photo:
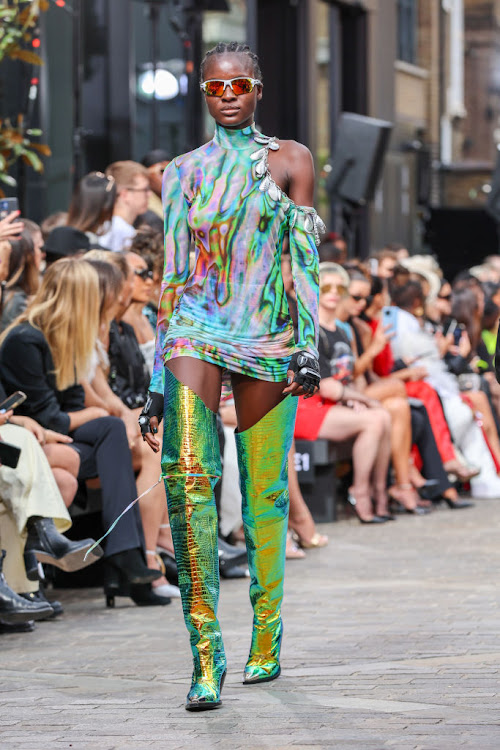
[{"x": 45, "y": 354}]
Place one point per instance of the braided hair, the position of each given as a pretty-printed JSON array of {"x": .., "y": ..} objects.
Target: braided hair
[{"x": 238, "y": 48}]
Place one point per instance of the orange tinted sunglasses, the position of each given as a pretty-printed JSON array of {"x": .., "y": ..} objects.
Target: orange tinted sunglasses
[{"x": 237, "y": 85}]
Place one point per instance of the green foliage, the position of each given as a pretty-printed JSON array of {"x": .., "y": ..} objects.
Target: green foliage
[{"x": 18, "y": 21}]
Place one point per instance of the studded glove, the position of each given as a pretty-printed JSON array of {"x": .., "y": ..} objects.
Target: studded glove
[
  {"x": 306, "y": 369},
  {"x": 152, "y": 408}
]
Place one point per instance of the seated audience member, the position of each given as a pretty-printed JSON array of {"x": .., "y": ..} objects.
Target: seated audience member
[
  {"x": 92, "y": 205},
  {"x": 23, "y": 278},
  {"x": 384, "y": 263},
  {"x": 155, "y": 162},
  {"x": 400, "y": 250},
  {"x": 413, "y": 340},
  {"x": 132, "y": 195},
  {"x": 333, "y": 249},
  {"x": 35, "y": 234},
  {"x": 486, "y": 349},
  {"x": 134, "y": 315},
  {"x": 148, "y": 243},
  {"x": 389, "y": 391},
  {"x": 149, "y": 220},
  {"x": 46, "y": 354},
  {"x": 33, "y": 515},
  {"x": 421, "y": 427},
  {"x": 340, "y": 412},
  {"x": 115, "y": 291}
]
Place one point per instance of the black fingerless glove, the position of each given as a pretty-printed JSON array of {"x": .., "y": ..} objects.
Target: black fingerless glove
[
  {"x": 306, "y": 369},
  {"x": 152, "y": 408}
]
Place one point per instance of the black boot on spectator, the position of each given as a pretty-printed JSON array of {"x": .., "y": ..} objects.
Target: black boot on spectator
[
  {"x": 55, "y": 549},
  {"x": 13, "y": 608},
  {"x": 31, "y": 565},
  {"x": 131, "y": 567},
  {"x": 39, "y": 596}
]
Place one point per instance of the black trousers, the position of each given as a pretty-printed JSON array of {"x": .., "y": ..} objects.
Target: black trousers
[
  {"x": 423, "y": 437},
  {"x": 104, "y": 453}
]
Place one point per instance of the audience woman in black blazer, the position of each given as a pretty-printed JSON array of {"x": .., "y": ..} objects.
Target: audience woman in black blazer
[{"x": 45, "y": 353}]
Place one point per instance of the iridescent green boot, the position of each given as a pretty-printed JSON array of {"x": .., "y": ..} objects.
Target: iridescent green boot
[
  {"x": 191, "y": 465},
  {"x": 262, "y": 459}
]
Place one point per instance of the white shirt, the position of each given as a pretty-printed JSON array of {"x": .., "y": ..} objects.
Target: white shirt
[{"x": 119, "y": 236}]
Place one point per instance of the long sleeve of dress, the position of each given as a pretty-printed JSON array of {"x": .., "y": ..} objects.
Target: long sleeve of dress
[
  {"x": 176, "y": 266},
  {"x": 304, "y": 228}
]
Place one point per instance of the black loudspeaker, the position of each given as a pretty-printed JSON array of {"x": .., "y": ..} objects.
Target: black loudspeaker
[
  {"x": 358, "y": 158},
  {"x": 461, "y": 237},
  {"x": 493, "y": 202}
]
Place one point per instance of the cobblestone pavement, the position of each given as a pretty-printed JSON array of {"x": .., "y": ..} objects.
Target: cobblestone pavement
[{"x": 391, "y": 641}]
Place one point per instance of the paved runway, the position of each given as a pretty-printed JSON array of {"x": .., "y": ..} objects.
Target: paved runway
[{"x": 391, "y": 641}]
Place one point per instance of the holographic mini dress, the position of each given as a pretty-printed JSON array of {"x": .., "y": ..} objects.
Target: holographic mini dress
[{"x": 228, "y": 305}]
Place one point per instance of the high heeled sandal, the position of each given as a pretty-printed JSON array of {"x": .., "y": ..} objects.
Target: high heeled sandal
[
  {"x": 163, "y": 589},
  {"x": 317, "y": 540},
  {"x": 293, "y": 551},
  {"x": 374, "y": 520}
]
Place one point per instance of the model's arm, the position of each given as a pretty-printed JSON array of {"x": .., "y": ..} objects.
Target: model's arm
[
  {"x": 303, "y": 235},
  {"x": 176, "y": 266}
]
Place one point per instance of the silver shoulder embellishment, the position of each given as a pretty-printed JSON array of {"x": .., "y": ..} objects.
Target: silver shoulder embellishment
[
  {"x": 312, "y": 223},
  {"x": 260, "y": 167}
]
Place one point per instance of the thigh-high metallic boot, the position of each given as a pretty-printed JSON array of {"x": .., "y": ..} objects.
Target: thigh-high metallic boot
[
  {"x": 191, "y": 465},
  {"x": 262, "y": 459}
]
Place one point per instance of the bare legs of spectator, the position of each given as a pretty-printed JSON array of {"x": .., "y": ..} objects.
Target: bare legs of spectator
[
  {"x": 399, "y": 409},
  {"x": 300, "y": 519},
  {"x": 153, "y": 507},
  {"x": 65, "y": 464},
  {"x": 370, "y": 430}
]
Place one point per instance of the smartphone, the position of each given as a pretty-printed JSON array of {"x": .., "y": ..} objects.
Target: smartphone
[
  {"x": 457, "y": 334},
  {"x": 16, "y": 399},
  {"x": 451, "y": 328},
  {"x": 389, "y": 319},
  {"x": 9, "y": 455},
  {"x": 7, "y": 205}
]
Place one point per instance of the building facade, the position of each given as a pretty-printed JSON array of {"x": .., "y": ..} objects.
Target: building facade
[{"x": 121, "y": 78}]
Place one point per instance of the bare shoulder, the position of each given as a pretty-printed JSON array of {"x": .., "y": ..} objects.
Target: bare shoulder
[{"x": 296, "y": 153}]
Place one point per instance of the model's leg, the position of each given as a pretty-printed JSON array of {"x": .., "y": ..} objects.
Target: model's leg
[
  {"x": 266, "y": 422},
  {"x": 191, "y": 465}
]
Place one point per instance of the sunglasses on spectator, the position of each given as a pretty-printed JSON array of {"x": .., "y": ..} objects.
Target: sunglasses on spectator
[
  {"x": 237, "y": 85},
  {"x": 341, "y": 290},
  {"x": 144, "y": 274},
  {"x": 446, "y": 297},
  {"x": 359, "y": 297}
]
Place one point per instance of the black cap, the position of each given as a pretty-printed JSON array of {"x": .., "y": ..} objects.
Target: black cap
[{"x": 63, "y": 242}]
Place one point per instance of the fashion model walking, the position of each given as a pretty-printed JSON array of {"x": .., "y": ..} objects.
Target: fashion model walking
[{"x": 234, "y": 199}]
